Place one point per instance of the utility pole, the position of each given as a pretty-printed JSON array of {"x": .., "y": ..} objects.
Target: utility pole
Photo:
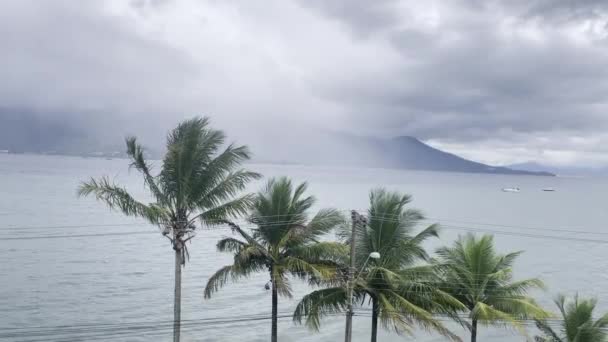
[{"x": 356, "y": 219}]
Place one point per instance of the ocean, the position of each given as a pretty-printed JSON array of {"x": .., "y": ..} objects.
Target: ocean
[{"x": 116, "y": 284}]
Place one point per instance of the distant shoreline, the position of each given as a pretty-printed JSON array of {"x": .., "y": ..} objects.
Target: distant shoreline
[{"x": 303, "y": 164}]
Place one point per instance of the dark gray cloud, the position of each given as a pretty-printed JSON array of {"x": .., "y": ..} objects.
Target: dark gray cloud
[
  {"x": 476, "y": 71},
  {"x": 78, "y": 64},
  {"x": 497, "y": 80},
  {"x": 363, "y": 17}
]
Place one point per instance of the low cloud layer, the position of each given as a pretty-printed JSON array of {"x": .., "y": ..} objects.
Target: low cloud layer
[{"x": 497, "y": 81}]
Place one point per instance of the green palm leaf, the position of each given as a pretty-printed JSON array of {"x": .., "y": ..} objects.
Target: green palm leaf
[
  {"x": 284, "y": 243},
  {"x": 481, "y": 279},
  {"x": 197, "y": 181},
  {"x": 578, "y": 324},
  {"x": 318, "y": 304},
  {"x": 117, "y": 197},
  {"x": 403, "y": 292}
]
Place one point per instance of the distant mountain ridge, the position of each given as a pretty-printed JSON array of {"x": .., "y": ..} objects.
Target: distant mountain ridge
[
  {"x": 562, "y": 171},
  {"x": 404, "y": 152},
  {"x": 408, "y": 152},
  {"x": 24, "y": 132}
]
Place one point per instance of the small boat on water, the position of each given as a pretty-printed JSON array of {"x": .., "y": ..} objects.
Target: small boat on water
[
  {"x": 548, "y": 189},
  {"x": 510, "y": 189}
]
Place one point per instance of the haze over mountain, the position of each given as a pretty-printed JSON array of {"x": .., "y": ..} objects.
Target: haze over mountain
[
  {"x": 404, "y": 152},
  {"x": 23, "y": 133},
  {"x": 479, "y": 79},
  {"x": 410, "y": 153},
  {"x": 32, "y": 132}
]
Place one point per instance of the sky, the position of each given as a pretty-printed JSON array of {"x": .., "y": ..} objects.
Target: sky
[{"x": 496, "y": 81}]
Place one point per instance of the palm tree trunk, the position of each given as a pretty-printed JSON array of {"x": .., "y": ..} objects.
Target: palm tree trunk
[
  {"x": 375, "y": 311},
  {"x": 474, "y": 330},
  {"x": 275, "y": 304},
  {"x": 177, "y": 298}
]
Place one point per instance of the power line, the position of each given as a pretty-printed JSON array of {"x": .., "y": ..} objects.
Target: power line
[
  {"x": 71, "y": 236},
  {"x": 483, "y": 230},
  {"x": 379, "y": 217},
  {"x": 101, "y": 331},
  {"x": 133, "y": 329}
]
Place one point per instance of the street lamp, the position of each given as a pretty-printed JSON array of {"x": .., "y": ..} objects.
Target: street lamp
[
  {"x": 349, "y": 317},
  {"x": 372, "y": 255}
]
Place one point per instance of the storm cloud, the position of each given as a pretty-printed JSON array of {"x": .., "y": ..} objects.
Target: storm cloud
[{"x": 497, "y": 81}]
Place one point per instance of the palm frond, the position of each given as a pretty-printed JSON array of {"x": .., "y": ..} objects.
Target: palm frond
[
  {"x": 578, "y": 324},
  {"x": 252, "y": 256},
  {"x": 300, "y": 234},
  {"x": 390, "y": 231},
  {"x": 320, "y": 303},
  {"x": 229, "y": 186},
  {"x": 391, "y": 317},
  {"x": 136, "y": 152},
  {"x": 519, "y": 288},
  {"x": 429, "y": 232},
  {"x": 214, "y": 173},
  {"x": 277, "y": 212},
  {"x": 218, "y": 280},
  {"x": 239, "y": 269},
  {"x": 602, "y": 322},
  {"x": 303, "y": 269},
  {"x": 281, "y": 282},
  {"x": 507, "y": 261},
  {"x": 231, "y": 209},
  {"x": 222, "y": 276},
  {"x": 481, "y": 279},
  {"x": 229, "y": 244},
  {"x": 520, "y": 307},
  {"x": 250, "y": 239},
  {"x": 117, "y": 197},
  {"x": 190, "y": 147},
  {"x": 550, "y": 335},
  {"x": 487, "y": 314},
  {"x": 332, "y": 251},
  {"x": 418, "y": 314},
  {"x": 323, "y": 222}
]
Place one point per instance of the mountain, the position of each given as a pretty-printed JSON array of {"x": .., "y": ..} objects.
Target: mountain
[
  {"x": 534, "y": 167},
  {"x": 410, "y": 153},
  {"x": 404, "y": 152},
  {"x": 22, "y": 131}
]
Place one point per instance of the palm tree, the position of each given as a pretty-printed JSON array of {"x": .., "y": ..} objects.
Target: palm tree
[
  {"x": 401, "y": 291},
  {"x": 198, "y": 181},
  {"x": 481, "y": 279},
  {"x": 577, "y": 323},
  {"x": 284, "y": 242}
]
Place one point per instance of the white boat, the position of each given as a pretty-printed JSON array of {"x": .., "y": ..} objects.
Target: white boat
[
  {"x": 510, "y": 189},
  {"x": 548, "y": 189}
]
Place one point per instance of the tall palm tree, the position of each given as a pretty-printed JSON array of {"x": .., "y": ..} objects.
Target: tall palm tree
[
  {"x": 198, "y": 182},
  {"x": 482, "y": 280},
  {"x": 400, "y": 289},
  {"x": 577, "y": 324},
  {"x": 284, "y": 242}
]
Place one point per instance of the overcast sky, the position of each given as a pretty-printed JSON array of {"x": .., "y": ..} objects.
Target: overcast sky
[{"x": 496, "y": 81}]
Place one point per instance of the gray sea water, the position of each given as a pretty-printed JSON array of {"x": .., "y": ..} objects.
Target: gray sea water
[{"x": 124, "y": 275}]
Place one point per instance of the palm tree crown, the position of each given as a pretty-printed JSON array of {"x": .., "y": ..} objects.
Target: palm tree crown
[
  {"x": 577, "y": 323},
  {"x": 399, "y": 289},
  {"x": 481, "y": 279},
  {"x": 284, "y": 242},
  {"x": 198, "y": 181}
]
